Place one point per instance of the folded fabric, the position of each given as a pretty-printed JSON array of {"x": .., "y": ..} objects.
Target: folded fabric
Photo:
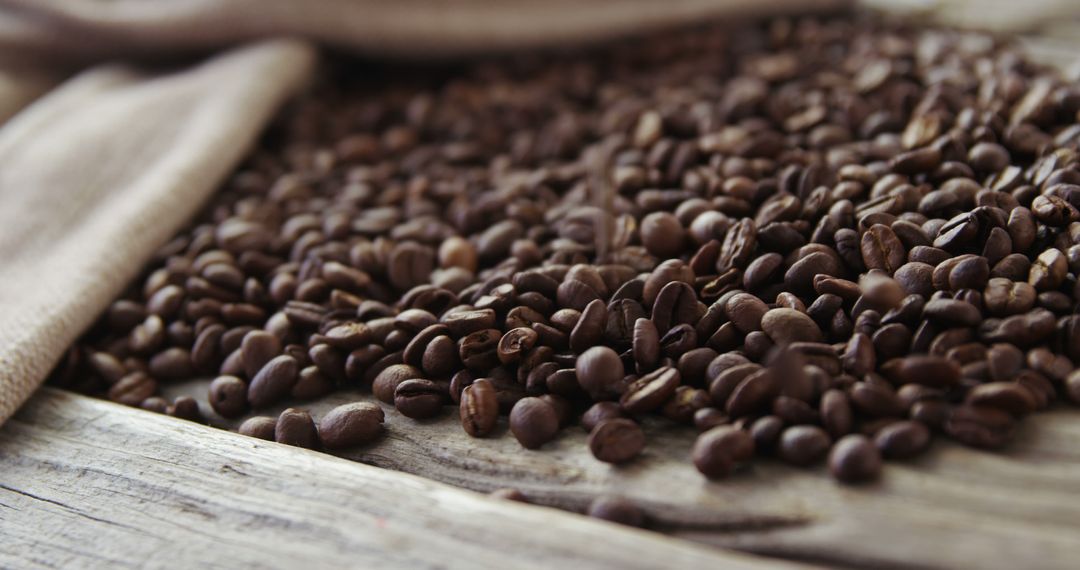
[{"x": 100, "y": 172}]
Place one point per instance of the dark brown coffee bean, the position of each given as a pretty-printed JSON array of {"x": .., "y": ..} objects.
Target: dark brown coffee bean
[
  {"x": 903, "y": 439},
  {"x": 616, "y": 440},
  {"x": 716, "y": 451},
  {"x": 1006, "y": 396},
  {"x": 479, "y": 408},
  {"x": 746, "y": 311},
  {"x": 260, "y": 427},
  {"x": 836, "y": 414},
  {"x": 533, "y": 422},
  {"x": 933, "y": 371},
  {"x": 803, "y": 445},
  {"x": 599, "y": 372},
  {"x": 854, "y": 459},
  {"x": 258, "y": 348},
  {"x": 273, "y": 382},
  {"x": 351, "y": 425},
  {"x": 785, "y": 326},
  {"x": 752, "y": 394},
  {"x": 418, "y": 398},
  {"x": 676, "y": 304},
  {"x": 881, "y": 249},
  {"x": 478, "y": 351},
  {"x": 295, "y": 427},
  {"x": 228, "y": 396},
  {"x": 464, "y": 323},
  {"x": 650, "y": 391},
  {"x": 646, "y": 344},
  {"x": 133, "y": 388},
  {"x": 617, "y": 510},
  {"x": 662, "y": 234},
  {"x": 875, "y": 400},
  {"x": 588, "y": 330}
]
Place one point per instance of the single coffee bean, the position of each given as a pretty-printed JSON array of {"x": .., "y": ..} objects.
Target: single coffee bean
[
  {"x": 716, "y": 451},
  {"x": 133, "y": 388},
  {"x": 533, "y": 422},
  {"x": 351, "y": 425},
  {"x": 903, "y": 439},
  {"x": 260, "y": 427},
  {"x": 616, "y": 440},
  {"x": 854, "y": 459},
  {"x": 479, "y": 350},
  {"x": 258, "y": 348},
  {"x": 588, "y": 330},
  {"x": 228, "y": 396},
  {"x": 803, "y": 444},
  {"x": 418, "y": 398},
  {"x": 273, "y": 382},
  {"x": 295, "y": 427},
  {"x": 650, "y": 391},
  {"x": 479, "y": 408},
  {"x": 599, "y": 372},
  {"x": 1006, "y": 396}
]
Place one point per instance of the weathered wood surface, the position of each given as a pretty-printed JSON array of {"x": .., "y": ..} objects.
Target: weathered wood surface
[
  {"x": 88, "y": 484},
  {"x": 955, "y": 507}
]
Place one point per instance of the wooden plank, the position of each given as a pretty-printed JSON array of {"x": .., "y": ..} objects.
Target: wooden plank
[
  {"x": 955, "y": 507},
  {"x": 89, "y": 484}
]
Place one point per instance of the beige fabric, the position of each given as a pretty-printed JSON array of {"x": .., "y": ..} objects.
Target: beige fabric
[
  {"x": 92, "y": 29},
  {"x": 100, "y": 172}
]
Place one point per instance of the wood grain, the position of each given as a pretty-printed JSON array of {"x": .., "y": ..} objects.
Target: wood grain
[
  {"x": 955, "y": 507},
  {"x": 90, "y": 484}
]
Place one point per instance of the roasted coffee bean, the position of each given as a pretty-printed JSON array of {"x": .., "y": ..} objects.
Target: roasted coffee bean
[
  {"x": 785, "y": 326},
  {"x": 599, "y": 372},
  {"x": 616, "y": 440},
  {"x": 258, "y": 348},
  {"x": 881, "y": 249},
  {"x": 746, "y": 311},
  {"x": 1007, "y": 396},
  {"x": 803, "y": 444},
  {"x": 676, "y": 304},
  {"x": 854, "y": 459},
  {"x": 133, "y": 388},
  {"x": 836, "y": 413},
  {"x": 418, "y": 398},
  {"x": 588, "y": 330},
  {"x": 228, "y": 396},
  {"x": 351, "y": 425},
  {"x": 533, "y": 422},
  {"x": 463, "y": 323},
  {"x": 480, "y": 350},
  {"x": 273, "y": 382},
  {"x": 295, "y": 427},
  {"x": 646, "y": 344},
  {"x": 260, "y": 427},
  {"x": 650, "y": 391},
  {"x": 903, "y": 439},
  {"x": 479, "y": 407},
  {"x": 716, "y": 451},
  {"x": 616, "y": 510}
]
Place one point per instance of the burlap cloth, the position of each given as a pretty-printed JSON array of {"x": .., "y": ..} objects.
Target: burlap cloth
[{"x": 101, "y": 170}]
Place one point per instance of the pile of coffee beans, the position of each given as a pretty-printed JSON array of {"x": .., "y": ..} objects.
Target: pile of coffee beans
[{"x": 823, "y": 240}]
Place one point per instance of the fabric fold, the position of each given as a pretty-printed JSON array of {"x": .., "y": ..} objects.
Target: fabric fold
[{"x": 104, "y": 169}]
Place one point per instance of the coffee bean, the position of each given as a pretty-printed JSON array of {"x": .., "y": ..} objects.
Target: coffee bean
[
  {"x": 273, "y": 382},
  {"x": 716, "y": 451},
  {"x": 418, "y": 398},
  {"x": 903, "y": 439},
  {"x": 616, "y": 440},
  {"x": 934, "y": 371},
  {"x": 785, "y": 326},
  {"x": 258, "y": 348},
  {"x": 351, "y": 425},
  {"x": 260, "y": 427},
  {"x": 479, "y": 408},
  {"x": 662, "y": 234},
  {"x": 854, "y": 459},
  {"x": 533, "y": 422},
  {"x": 746, "y": 311},
  {"x": 803, "y": 445},
  {"x": 228, "y": 396},
  {"x": 599, "y": 371},
  {"x": 650, "y": 391},
  {"x": 1007, "y": 396},
  {"x": 295, "y": 427},
  {"x": 133, "y": 388},
  {"x": 881, "y": 249},
  {"x": 588, "y": 329},
  {"x": 479, "y": 350}
]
